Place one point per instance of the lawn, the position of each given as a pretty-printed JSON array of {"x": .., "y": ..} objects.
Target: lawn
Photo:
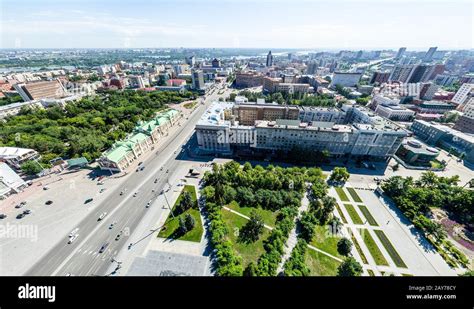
[
  {"x": 353, "y": 214},
  {"x": 340, "y": 213},
  {"x": 189, "y": 105},
  {"x": 320, "y": 264},
  {"x": 354, "y": 195},
  {"x": 357, "y": 246},
  {"x": 371, "y": 272},
  {"x": 250, "y": 252},
  {"x": 372, "y": 247},
  {"x": 170, "y": 228},
  {"x": 269, "y": 217},
  {"x": 342, "y": 195},
  {"x": 390, "y": 249},
  {"x": 325, "y": 241},
  {"x": 365, "y": 211}
]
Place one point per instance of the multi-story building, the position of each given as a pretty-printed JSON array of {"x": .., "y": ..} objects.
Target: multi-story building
[
  {"x": 248, "y": 79},
  {"x": 269, "y": 62},
  {"x": 400, "y": 52},
  {"x": 462, "y": 96},
  {"x": 394, "y": 112},
  {"x": 380, "y": 77},
  {"x": 311, "y": 114},
  {"x": 10, "y": 182},
  {"x": 41, "y": 90},
  {"x": 445, "y": 79},
  {"x": 293, "y": 88},
  {"x": 465, "y": 123},
  {"x": 427, "y": 91},
  {"x": 361, "y": 134},
  {"x": 345, "y": 79},
  {"x": 15, "y": 157},
  {"x": 248, "y": 113},
  {"x": 401, "y": 72},
  {"x": 445, "y": 137},
  {"x": 198, "y": 79},
  {"x": 429, "y": 54},
  {"x": 142, "y": 139},
  {"x": 435, "y": 107}
]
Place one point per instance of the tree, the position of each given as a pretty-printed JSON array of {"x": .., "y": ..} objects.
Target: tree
[
  {"x": 349, "y": 268},
  {"x": 339, "y": 174},
  {"x": 31, "y": 167},
  {"x": 344, "y": 246},
  {"x": 253, "y": 229},
  {"x": 307, "y": 224},
  {"x": 189, "y": 222},
  {"x": 186, "y": 201},
  {"x": 183, "y": 229}
]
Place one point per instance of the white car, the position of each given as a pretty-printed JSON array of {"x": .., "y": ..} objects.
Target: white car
[
  {"x": 102, "y": 216},
  {"x": 71, "y": 239},
  {"x": 74, "y": 232}
]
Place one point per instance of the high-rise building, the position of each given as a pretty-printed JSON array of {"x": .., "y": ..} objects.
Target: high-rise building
[
  {"x": 465, "y": 123},
  {"x": 345, "y": 79},
  {"x": 198, "y": 79},
  {"x": 462, "y": 96},
  {"x": 401, "y": 72},
  {"x": 400, "y": 53},
  {"x": 420, "y": 73},
  {"x": 429, "y": 54},
  {"x": 269, "y": 59},
  {"x": 380, "y": 77},
  {"x": 191, "y": 60}
]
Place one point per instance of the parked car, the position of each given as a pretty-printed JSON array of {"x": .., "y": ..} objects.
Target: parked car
[
  {"x": 18, "y": 206},
  {"x": 49, "y": 202},
  {"x": 88, "y": 200},
  {"x": 3, "y": 216},
  {"x": 21, "y": 215},
  {"x": 45, "y": 188},
  {"x": 26, "y": 211}
]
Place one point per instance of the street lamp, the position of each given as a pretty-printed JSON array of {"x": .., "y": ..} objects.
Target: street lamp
[{"x": 167, "y": 203}]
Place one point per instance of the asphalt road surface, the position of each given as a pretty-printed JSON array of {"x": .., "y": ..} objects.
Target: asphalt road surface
[{"x": 82, "y": 257}]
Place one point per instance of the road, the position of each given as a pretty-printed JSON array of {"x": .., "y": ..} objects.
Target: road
[{"x": 82, "y": 257}]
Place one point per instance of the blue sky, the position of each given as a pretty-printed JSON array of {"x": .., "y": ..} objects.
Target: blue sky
[{"x": 315, "y": 24}]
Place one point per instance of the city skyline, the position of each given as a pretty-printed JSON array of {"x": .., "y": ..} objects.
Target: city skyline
[{"x": 344, "y": 24}]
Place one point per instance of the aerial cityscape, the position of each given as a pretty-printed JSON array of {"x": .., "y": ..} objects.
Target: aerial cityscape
[{"x": 151, "y": 150}]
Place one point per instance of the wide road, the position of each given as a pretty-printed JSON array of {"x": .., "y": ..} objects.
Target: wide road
[{"x": 82, "y": 257}]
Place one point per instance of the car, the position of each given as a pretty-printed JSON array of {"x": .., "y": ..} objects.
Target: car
[
  {"x": 118, "y": 236},
  {"x": 18, "y": 206},
  {"x": 142, "y": 167},
  {"x": 3, "y": 216},
  {"x": 167, "y": 171},
  {"x": 72, "y": 238},
  {"x": 21, "y": 215},
  {"x": 148, "y": 204},
  {"x": 23, "y": 203},
  {"x": 100, "y": 183},
  {"x": 135, "y": 194},
  {"x": 111, "y": 226},
  {"x": 156, "y": 180},
  {"x": 104, "y": 246},
  {"x": 74, "y": 232},
  {"x": 88, "y": 200},
  {"x": 26, "y": 211},
  {"x": 45, "y": 188},
  {"x": 102, "y": 190},
  {"x": 121, "y": 192},
  {"x": 49, "y": 202},
  {"x": 102, "y": 216},
  {"x": 140, "y": 163}
]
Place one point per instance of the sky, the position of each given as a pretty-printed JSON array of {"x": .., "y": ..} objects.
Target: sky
[{"x": 301, "y": 24}]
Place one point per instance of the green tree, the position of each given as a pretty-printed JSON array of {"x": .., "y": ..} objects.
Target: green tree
[
  {"x": 189, "y": 222},
  {"x": 344, "y": 246},
  {"x": 31, "y": 168},
  {"x": 253, "y": 229},
  {"x": 339, "y": 174},
  {"x": 349, "y": 268}
]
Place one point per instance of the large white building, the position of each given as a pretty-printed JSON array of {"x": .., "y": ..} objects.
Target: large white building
[
  {"x": 354, "y": 131},
  {"x": 345, "y": 79},
  {"x": 462, "y": 96},
  {"x": 10, "y": 182},
  {"x": 17, "y": 156},
  {"x": 394, "y": 112}
]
